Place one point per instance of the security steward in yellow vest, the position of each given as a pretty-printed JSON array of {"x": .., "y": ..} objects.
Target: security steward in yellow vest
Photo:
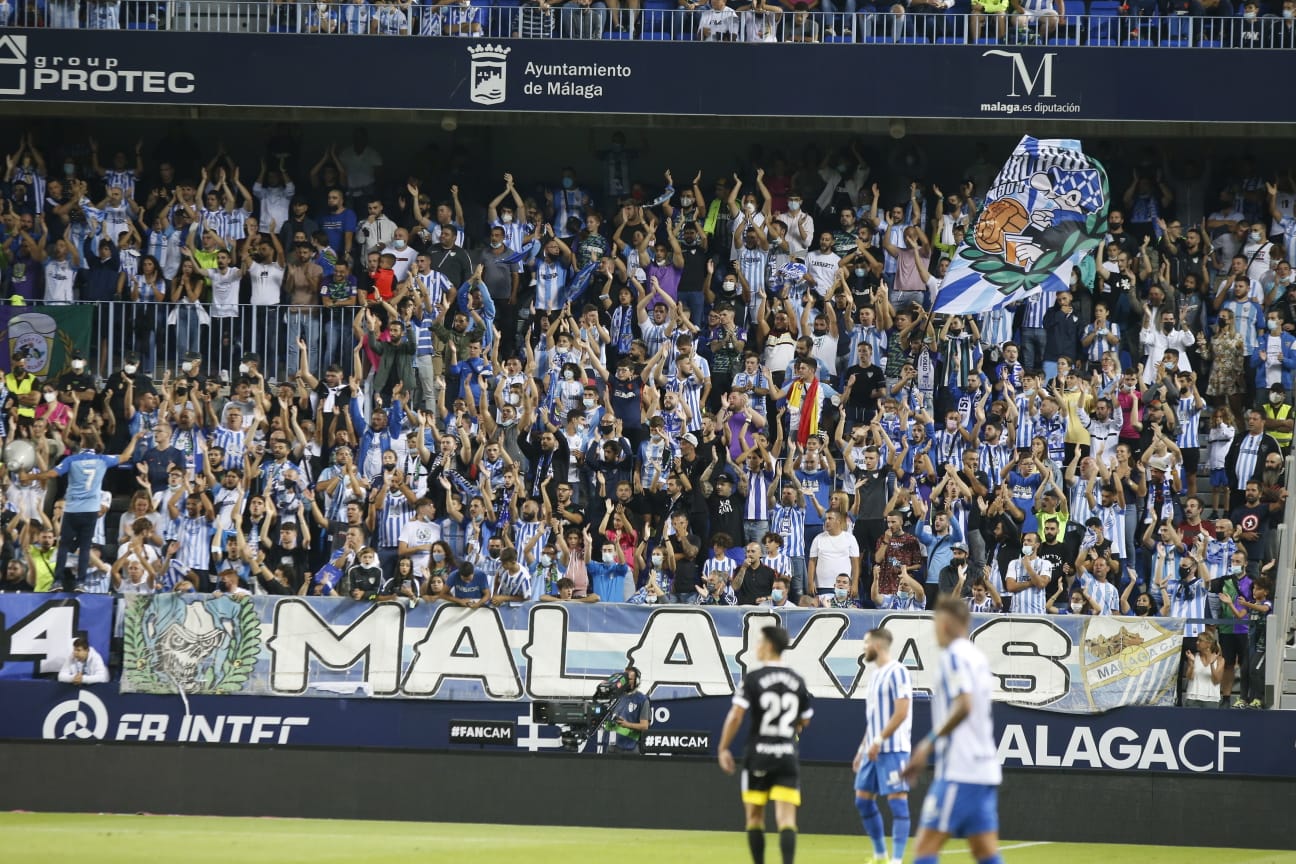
[
  {"x": 24, "y": 393},
  {"x": 1279, "y": 419}
]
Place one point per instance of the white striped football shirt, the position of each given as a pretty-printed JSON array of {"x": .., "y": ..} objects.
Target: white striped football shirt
[
  {"x": 195, "y": 542},
  {"x": 968, "y": 754},
  {"x": 234, "y": 443},
  {"x": 1187, "y": 413},
  {"x": 758, "y": 483},
  {"x": 888, "y": 685},
  {"x": 789, "y": 523},
  {"x": 396, "y": 512},
  {"x": 1031, "y": 601}
]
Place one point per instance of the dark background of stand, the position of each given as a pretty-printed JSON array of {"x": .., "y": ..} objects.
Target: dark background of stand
[{"x": 264, "y": 781}]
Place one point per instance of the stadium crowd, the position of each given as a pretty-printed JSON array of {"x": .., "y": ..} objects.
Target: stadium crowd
[
  {"x": 724, "y": 390},
  {"x": 1212, "y": 23}
]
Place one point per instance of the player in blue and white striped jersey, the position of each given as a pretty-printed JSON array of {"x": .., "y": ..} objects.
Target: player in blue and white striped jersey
[
  {"x": 963, "y": 800},
  {"x": 883, "y": 753},
  {"x": 1028, "y": 578}
]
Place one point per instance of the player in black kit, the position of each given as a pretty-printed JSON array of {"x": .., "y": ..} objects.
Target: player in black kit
[{"x": 780, "y": 708}]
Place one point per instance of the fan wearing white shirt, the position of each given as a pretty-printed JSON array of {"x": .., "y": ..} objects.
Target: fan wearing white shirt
[
  {"x": 832, "y": 553},
  {"x": 1028, "y": 578},
  {"x": 84, "y": 666},
  {"x": 275, "y": 190},
  {"x": 718, "y": 23}
]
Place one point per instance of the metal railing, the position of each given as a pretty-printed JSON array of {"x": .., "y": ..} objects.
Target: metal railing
[
  {"x": 162, "y": 333},
  {"x": 480, "y": 19}
]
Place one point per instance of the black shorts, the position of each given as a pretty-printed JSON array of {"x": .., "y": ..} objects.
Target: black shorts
[
  {"x": 766, "y": 778},
  {"x": 1191, "y": 458},
  {"x": 1233, "y": 646}
]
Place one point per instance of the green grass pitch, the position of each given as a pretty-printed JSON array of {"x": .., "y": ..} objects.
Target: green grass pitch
[{"x": 53, "y": 838}]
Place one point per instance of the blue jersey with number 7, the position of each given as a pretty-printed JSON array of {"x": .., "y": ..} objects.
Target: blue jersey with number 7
[{"x": 85, "y": 472}]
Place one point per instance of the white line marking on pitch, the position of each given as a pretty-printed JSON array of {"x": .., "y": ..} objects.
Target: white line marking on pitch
[{"x": 1003, "y": 848}]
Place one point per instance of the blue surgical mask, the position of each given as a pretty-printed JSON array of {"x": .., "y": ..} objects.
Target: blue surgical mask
[
  {"x": 438, "y": 557},
  {"x": 398, "y": 244},
  {"x": 841, "y": 593},
  {"x": 776, "y": 595},
  {"x": 568, "y": 182}
]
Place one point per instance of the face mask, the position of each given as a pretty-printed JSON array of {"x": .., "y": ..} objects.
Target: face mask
[
  {"x": 729, "y": 286},
  {"x": 841, "y": 169},
  {"x": 546, "y": 560},
  {"x": 794, "y": 206},
  {"x": 1273, "y": 324},
  {"x": 951, "y": 425},
  {"x": 506, "y": 218},
  {"x": 686, "y": 202},
  {"x": 1288, "y": 13},
  {"x": 569, "y": 375},
  {"x": 438, "y": 556},
  {"x": 841, "y": 593},
  {"x": 776, "y": 595},
  {"x": 493, "y": 553},
  {"x": 568, "y": 182},
  {"x": 1167, "y": 326},
  {"x": 656, "y": 560},
  {"x": 1277, "y": 398},
  {"x": 130, "y": 368},
  {"x": 1076, "y": 608},
  {"x": 609, "y": 557},
  {"x": 903, "y": 596},
  {"x": 651, "y": 598},
  {"x": 50, "y": 397},
  {"x": 78, "y": 365},
  {"x": 243, "y": 368},
  {"x": 184, "y": 367},
  {"x": 859, "y": 272},
  {"x": 749, "y": 207},
  {"x": 1235, "y": 570},
  {"x": 1028, "y": 551},
  {"x": 495, "y": 244},
  {"x": 69, "y": 168},
  {"x": 1254, "y": 235}
]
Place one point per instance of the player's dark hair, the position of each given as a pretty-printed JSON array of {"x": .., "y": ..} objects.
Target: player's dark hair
[
  {"x": 81, "y": 642},
  {"x": 777, "y": 638},
  {"x": 955, "y": 608},
  {"x": 880, "y": 634}
]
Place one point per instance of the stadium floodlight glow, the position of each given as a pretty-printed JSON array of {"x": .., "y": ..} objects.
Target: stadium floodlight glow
[
  {"x": 449, "y": 122},
  {"x": 896, "y": 128}
]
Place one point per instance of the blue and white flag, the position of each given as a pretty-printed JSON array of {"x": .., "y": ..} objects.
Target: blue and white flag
[{"x": 1045, "y": 212}]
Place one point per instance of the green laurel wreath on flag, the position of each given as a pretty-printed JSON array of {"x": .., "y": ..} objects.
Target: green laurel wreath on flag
[
  {"x": 245, "y": 647},
  {"x": 138, "y": 664},
  {"x": 1009, "y": 278}
]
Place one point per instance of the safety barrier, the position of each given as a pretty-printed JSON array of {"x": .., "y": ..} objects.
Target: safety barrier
[{"x": 661, "y": 21}]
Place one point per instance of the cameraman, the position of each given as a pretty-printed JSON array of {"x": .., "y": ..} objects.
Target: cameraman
[{"x": 629, "y": 718}]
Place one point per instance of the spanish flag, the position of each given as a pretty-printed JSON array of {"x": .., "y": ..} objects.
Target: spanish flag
[{"x": 805, "y": 398}]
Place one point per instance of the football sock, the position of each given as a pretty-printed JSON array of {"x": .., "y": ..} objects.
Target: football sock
[
  {"x": 787, "y": 845},
  {"x": 927, "y": 859},
  {"x": 899, "y": 826},
  {"x": 756, "y": 843},
  {"x": 871, "y": 816},
  {"x": 993, "y": 859}
]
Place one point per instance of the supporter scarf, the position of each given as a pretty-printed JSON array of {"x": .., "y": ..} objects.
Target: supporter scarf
[{"x": 806, "y": 398}]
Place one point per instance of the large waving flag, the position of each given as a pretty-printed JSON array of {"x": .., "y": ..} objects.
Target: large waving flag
[{"x": 1046, "y": 211}]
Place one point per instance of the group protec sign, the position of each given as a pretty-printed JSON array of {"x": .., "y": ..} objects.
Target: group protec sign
[
  {"x": 639, "y": 77},
  {"x": 331, "y": 647}
]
